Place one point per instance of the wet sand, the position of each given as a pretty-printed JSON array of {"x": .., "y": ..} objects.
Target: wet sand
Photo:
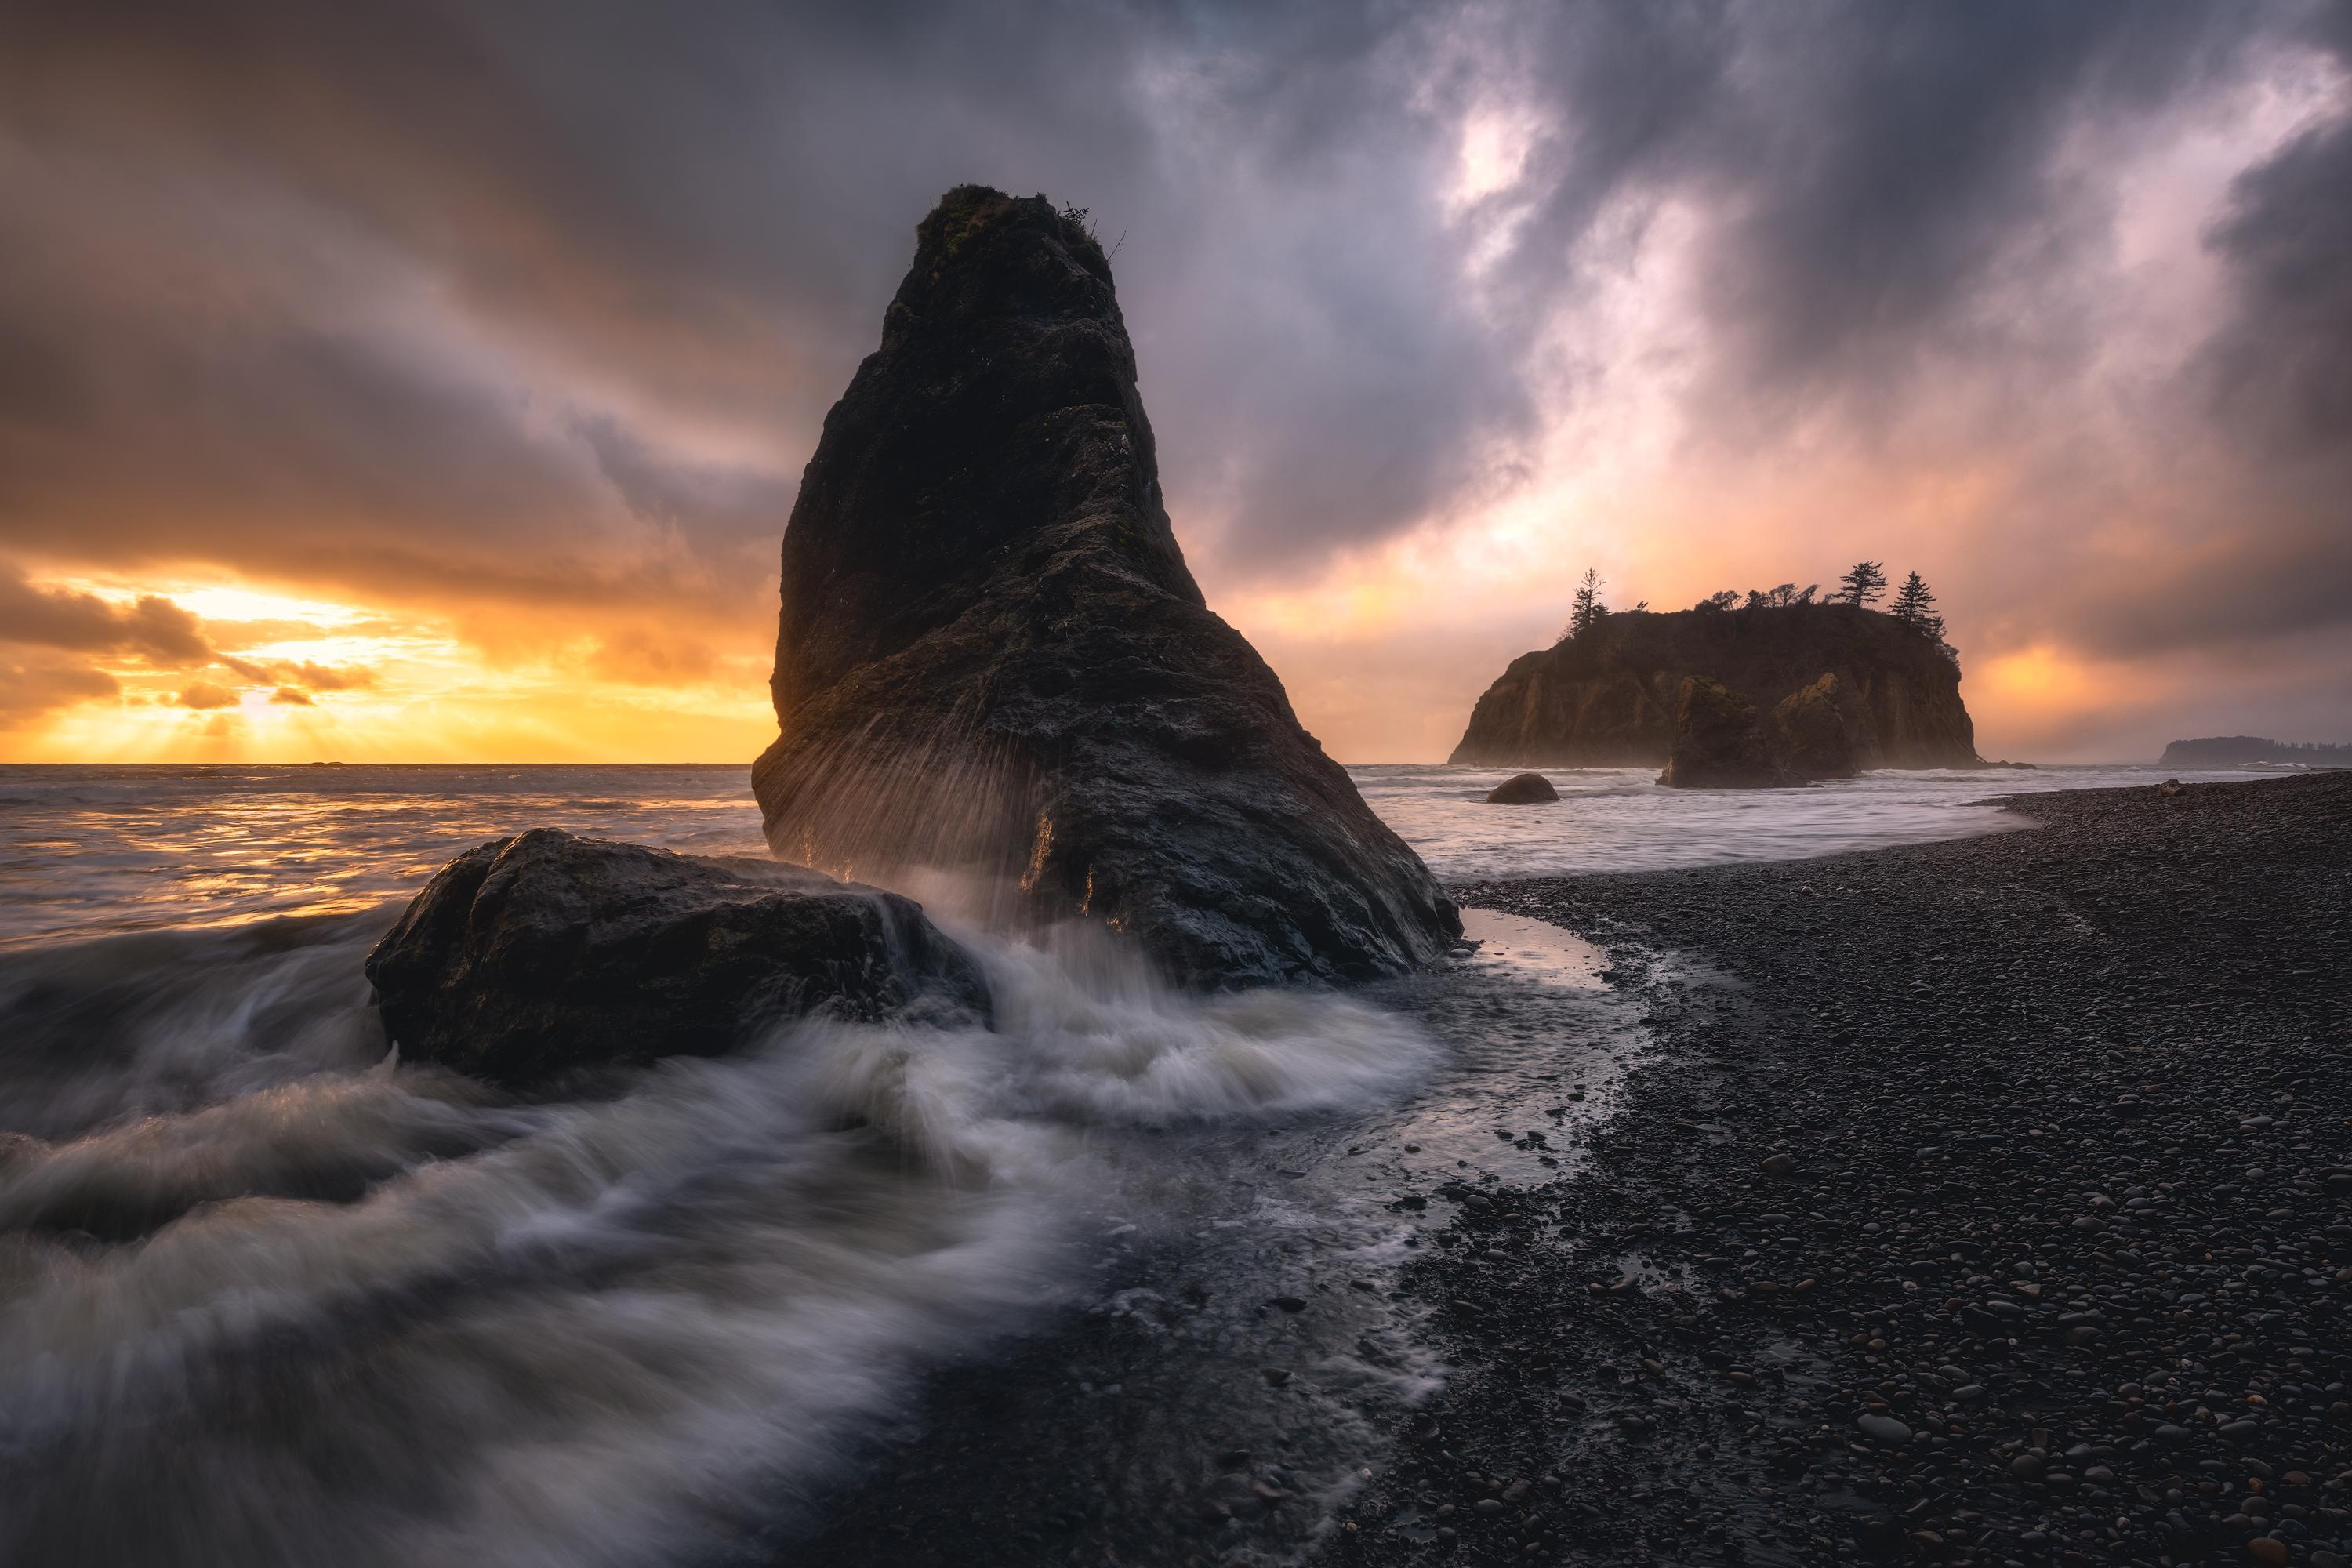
[{"x": 1987, "y": 1200}]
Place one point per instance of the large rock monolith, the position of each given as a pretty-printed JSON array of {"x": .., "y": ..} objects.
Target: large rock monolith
[{"x": 992, "y": 655}]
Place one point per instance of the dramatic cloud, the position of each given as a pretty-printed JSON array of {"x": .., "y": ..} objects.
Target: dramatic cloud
[
  {"x": 153, "y": 627},
  {"x": 33, "y": 686},
  {"x": 513, "y": 324},
  {"x": 2282, "y": 365},
  {"x": 204, "y": 696}
]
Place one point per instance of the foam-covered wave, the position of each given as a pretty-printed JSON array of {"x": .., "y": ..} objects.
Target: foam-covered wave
[
  {"x": 268, "y": 1295},
  {"x": 94, "y": 1033}
]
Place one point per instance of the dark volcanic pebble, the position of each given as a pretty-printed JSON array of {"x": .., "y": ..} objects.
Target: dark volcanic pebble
[{"x": 2017, "y": 1233}]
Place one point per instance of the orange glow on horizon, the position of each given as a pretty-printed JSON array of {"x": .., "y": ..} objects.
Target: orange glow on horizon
[{"x": 297, "y": 678}]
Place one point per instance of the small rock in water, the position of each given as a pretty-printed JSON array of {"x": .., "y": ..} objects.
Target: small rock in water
[{"x": 1523, "y": 789}]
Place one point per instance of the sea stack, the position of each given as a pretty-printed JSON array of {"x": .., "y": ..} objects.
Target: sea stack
[
  {"x": 1719, "y": 741},
  {"x": 1610, "y": 696},
  {"x": 992, "y": 656}
]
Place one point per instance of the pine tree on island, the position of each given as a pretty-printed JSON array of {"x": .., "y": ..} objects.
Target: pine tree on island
[
  {"x": 1911, "y": 602},
  {"x": 1586, "y": 609},
  {"x": 1864, "y": 584}
]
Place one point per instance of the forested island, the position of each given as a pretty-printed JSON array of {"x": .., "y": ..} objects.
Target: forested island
[
  {"x": 2239, "y": 751},
  {"x": 1608, "y": 693}
]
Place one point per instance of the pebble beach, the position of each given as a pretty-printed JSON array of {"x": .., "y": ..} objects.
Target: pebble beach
[{"x": 1982, "y": 1202}]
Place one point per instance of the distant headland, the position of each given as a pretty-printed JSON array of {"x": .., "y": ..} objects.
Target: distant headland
[{"x": 2237, "y": 751}]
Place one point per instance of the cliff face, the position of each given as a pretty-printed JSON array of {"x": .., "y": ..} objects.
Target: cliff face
[
  {"x": 1608, "y": 699},
  {"x": 991, "y": 655}
]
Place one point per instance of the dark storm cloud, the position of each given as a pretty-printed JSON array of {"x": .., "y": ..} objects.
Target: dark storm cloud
[
  {"x": 543, "y": 302},
  {"x": 715, "y": 214},
  {"x": 2283, "y": 366},
  {"x": 1896, "y": 182},
  {"x": 1903, "y": 208}
]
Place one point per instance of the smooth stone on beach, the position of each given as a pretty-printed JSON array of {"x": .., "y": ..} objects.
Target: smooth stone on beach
[{"x": 1884, "y": 1429}]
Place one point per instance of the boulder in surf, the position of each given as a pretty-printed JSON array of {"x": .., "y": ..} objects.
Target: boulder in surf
[
  {"x": 533, "y": 956},
  {"x": 1522, "y": 789}
]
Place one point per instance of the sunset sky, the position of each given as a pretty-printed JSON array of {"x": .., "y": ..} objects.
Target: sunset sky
[{"x": 431, "y": 381}]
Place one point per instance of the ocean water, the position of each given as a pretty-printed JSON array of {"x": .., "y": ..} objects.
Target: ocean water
[
  {"x": 270, "y": 1295},
  {"x": 88, "y": 850},
  {"x": 1618, "y": 819}
]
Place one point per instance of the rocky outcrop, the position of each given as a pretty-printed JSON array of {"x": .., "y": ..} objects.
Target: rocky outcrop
[
  {"x": 533, "y": 956},
  {"x": 1722, "y": 742},
  {"x": 1522, "y": 789},
  {"x": 1814, "y": 731},
  {"x": 991, "y": 656},
  {"x": 1719, "y": 741},
  {"x": 1608, "y": 698}
]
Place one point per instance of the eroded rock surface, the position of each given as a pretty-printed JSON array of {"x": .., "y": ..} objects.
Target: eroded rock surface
[
  {"x": 990, "y": 654},
  {"x": 1817, "y": 729},
  {"x": 1720, "y": 742},
  {"x": 530, "y": 956}
]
